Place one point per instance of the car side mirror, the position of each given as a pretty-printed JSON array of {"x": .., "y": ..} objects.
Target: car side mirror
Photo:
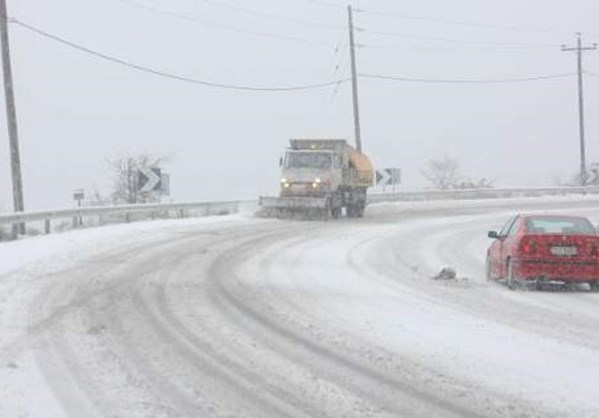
[{"x": 493, "y": 234}]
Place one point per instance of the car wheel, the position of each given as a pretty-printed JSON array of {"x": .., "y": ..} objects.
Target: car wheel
[
  {"x": 511, "y": 279},
  {"x": 488, "y": 270}
]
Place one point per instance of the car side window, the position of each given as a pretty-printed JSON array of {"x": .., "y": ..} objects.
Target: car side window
[
  {"x": 507, "y": 226},
  {"x": 514, "y": 228}
]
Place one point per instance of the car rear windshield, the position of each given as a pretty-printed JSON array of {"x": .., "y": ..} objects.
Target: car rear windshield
[{"x": 564, "y": 226}]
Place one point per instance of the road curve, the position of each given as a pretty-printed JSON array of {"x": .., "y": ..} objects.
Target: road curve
[{"x": 248, "y": 317}]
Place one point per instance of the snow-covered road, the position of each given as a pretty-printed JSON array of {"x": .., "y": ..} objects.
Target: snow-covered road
[{"x": 236, "y": 316}]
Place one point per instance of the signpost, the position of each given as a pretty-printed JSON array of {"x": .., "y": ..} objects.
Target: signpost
[
  {"x": 165, "y": 180},
  {"x": 78, "y": 195}
]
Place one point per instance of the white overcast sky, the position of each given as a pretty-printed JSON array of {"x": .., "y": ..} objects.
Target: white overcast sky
[{"x": 75, "y": 111}]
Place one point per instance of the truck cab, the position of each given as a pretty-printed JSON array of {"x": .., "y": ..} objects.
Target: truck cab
[
  {"x": 323, "y": 176},
  {"x": 311, "y": 172}
]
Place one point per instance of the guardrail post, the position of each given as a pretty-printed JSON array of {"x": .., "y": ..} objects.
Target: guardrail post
[{"x": 47, "y": 227}]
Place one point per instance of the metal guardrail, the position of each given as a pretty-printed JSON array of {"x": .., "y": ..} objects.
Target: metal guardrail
[
  {"x": 78, "y": 215},
  {"x": 81, "y": 216},
  {"x": 479, "y": 194}
]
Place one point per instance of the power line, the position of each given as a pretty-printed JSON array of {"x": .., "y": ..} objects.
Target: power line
[
  {"x": 327, "y": 3},
  {"x": 166, "y": 74},
  {"x": 453, "y": 22},
  {"x": 591, "y": 74},
  {"x": 273, "y": 89},
  {"x": 456, "y": 40},
  {"x": 466, "y": 81},
  {"x": 222, "y": 26},
  {"x": 273, "y": 16},
  {"x": 434, "y": 19},
  {"x": 447, "y": 48}
]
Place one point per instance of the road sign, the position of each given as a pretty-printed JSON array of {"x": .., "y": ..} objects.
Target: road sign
[
  {"x": 388, "y": 176},
  {"x": 149, "y": 180},
  {"x": 78, "y": 194}
]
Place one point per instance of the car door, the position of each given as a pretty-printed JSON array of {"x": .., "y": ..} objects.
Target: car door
[
  {"x": 496, "y": 249},
  {"x": 509, "y": 243}
]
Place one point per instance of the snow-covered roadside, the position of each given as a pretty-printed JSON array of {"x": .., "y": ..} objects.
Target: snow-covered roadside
[
  {"x": 507, "y": 366},
  {"x": 28, "y": 266},
  {"x": 346, "y": 285},
  {"x": 511, "y": 204},
  {"x": 63, "y": 249}
]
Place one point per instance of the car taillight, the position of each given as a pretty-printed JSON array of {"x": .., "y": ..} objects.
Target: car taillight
[{"x": 529, "y": 247}]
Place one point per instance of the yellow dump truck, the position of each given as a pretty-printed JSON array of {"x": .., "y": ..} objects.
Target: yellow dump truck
[{"x": 321, "y": 177}]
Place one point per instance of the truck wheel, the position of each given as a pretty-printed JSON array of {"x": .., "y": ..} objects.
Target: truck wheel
[
  {"x": 349, "y": 211},
  {"x": 336, "y": 212}
]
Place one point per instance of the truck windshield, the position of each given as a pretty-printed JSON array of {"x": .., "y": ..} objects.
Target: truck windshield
[{"x": 308, "y": 160}]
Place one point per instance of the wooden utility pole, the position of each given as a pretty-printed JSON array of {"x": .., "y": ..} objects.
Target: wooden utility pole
[
  {"x": 579, "y": 48},
  {"x": 11, "y": 117},
  {"x": 354, "y": 73}
]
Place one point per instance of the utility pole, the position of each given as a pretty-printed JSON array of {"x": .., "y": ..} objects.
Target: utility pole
[
  {"x": 352, "y": 47},
  {"x": 579, "y": 48},
  {"x": 11, "y": 117}
]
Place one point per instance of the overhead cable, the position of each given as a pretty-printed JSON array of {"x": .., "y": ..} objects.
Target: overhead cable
[
  {"x": 403, "y": 16},
  {"x": 170, "y": 75},
  {"x": 456, "y": 40},
  {"x": 466, "y": 81},
  {"x": 222, "y": 26},
  {"x": 454, "y": 22},
  {"x": 327, "y": 3},
  {"x": 275, "y": 89},
  {"x": 272, "y": 16},
  {"x": 452, "y": 48}
]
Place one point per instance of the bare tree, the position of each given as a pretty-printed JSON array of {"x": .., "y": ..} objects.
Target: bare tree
[
  {"x": 443, "y": 173},
  {"x": 482, "y": 183},
  {"x": 125, "y": 173}
]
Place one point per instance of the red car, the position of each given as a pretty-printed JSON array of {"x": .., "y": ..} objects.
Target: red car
[{"x": 545, "y": 249}]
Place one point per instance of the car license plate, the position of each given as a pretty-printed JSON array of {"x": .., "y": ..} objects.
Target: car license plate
[{"x": 564, "y": 251}]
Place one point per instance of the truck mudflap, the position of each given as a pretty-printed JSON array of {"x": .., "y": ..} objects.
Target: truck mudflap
[{"x": 292, "y": 203}]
